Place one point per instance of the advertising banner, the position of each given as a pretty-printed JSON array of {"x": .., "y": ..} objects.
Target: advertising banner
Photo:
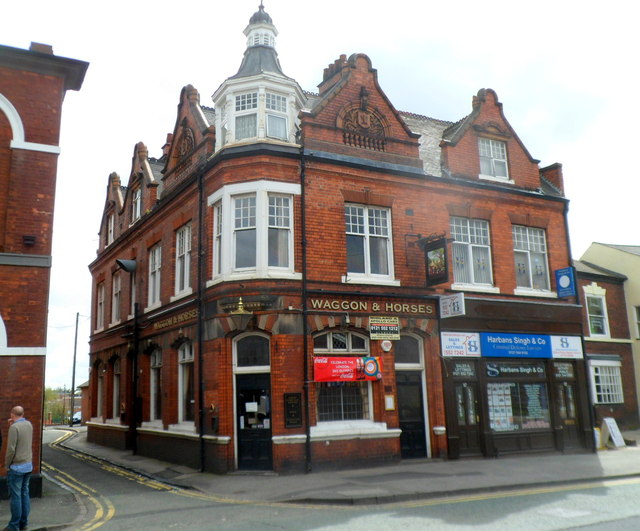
[
  {"x": 515, "y": 345},
  {"x": 346, "y": 369}
]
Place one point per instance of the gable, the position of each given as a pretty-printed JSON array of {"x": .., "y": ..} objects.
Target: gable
[
  {"x": 486, "y": 128},
  {"x": 352, "y": 116},
  {"x": 192, "y": 140}
]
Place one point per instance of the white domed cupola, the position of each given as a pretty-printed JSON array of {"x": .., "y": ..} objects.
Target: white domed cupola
[{"x": 259, "y": 103}]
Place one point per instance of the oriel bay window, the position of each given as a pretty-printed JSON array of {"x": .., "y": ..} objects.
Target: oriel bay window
[
  {"x": 530, "y": 253},
  {"x": 342, "y": 401},
  {"x": 369, "y": 247},
  {"x": 471, "y": 251},
  {"x": 276, "y": 116},
  {"x": 253, "y": 230}
]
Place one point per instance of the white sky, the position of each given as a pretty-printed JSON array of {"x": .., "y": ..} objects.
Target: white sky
[{"x": 566, "y": 72}]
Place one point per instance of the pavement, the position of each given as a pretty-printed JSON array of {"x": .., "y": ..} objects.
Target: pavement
[{"x": 407, "y": 480}]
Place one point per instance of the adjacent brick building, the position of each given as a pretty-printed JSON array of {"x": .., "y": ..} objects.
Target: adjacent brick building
[
  {"x": 33, "y": 84},
  {"x": 267, "y": 293}
]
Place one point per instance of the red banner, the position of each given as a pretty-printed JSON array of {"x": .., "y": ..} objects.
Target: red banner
[{"x": 347, "y": 369}]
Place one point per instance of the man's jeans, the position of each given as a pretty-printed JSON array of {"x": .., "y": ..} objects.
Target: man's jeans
[{"x": 20, "y": 503}]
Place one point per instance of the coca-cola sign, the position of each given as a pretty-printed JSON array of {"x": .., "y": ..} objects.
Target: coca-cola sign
[{"x": 346, "y": 369}]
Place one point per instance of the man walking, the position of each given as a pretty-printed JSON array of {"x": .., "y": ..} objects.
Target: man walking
[{"x": 18, "y": 463}]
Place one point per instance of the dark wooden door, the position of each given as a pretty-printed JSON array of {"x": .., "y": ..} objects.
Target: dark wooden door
[
  {"x": 413, "y": 440},
  {"x": 253, "y": 414},
  {"x": 468, "y": 417},
  {"x": 567, "y": 411}
]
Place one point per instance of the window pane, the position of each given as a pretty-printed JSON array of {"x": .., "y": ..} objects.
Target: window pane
[
  {"x": 407, "y": 350},
  {"x": 253, "y": 351},
  {"x": 278, "y": 248},
  {"x": 355, "y": 254},
  {"x": 339, "y": 341},
  {"x": 481, "y": 265},
  {"x": 245, "y": 248},
  {"x": 522, "y": 270},
  {"x": 378, "y": 251},
  {"x": 461, "y": 269},
  {"x": 540, "y": 274},
  {"x": 341, "y": 401},
  {"x": 246, "y": 126},
  {"x": 276, "y": 127}
]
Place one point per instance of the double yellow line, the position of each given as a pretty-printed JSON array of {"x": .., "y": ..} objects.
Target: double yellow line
[{"x": 103, "y": 506}]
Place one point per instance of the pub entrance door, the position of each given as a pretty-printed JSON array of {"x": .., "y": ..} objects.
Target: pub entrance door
[
  {"x": 413, "y": 440},
  {"x": 253, "y": 412}
]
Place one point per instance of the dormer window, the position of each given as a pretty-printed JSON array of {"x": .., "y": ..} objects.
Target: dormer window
[
  {"x": 246, "y": 117},
  {"x": 276, "y": 116},
  {"x": 493, "y": 159}
]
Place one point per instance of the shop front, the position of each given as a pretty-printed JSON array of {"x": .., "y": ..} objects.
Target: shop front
[{"x": 514, "y": 393}]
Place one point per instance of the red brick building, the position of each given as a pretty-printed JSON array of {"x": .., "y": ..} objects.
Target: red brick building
[
  {"x": 608, "y": 344},
  {"x": 33, "y": 84},
  {"x": 267, "y": 293}
]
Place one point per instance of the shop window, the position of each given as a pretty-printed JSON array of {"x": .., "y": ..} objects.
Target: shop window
[
  {"x": 183, "y": 260},
  {"x": 341, "y": 401},
  {"x": 606, "y": 381},
  {"x": 493, "y": 159},
  {"x": 186, "y": 383},
  {"x": 530, "y": 252},
  {"x": 369, "y": 246},
  {"x": 516, "y": 400},
  {"x": 155, "y": 386},
  {"x": 471, "y": 251},
  {"x": 253, "y": 230},
  {"x": 155, "y": 262}
]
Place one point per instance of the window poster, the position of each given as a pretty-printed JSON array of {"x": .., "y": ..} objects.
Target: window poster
[{"x": 517, "y": 406}]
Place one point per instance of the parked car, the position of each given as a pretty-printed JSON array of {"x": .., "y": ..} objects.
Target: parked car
[{"x": 77, "y": 417}]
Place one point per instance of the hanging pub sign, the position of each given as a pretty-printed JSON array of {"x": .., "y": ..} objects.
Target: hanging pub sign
[
  {"x": 435, "y": 254},
  {"x": 346, "y": 369}
]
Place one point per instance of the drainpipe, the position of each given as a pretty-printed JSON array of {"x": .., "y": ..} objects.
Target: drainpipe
[
  {"x": 585, "y": 363},
  {"x": 200, "y": 324},
  {"x": 305, "y": 326}
]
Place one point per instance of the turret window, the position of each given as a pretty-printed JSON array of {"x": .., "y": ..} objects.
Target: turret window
[
  {"x": 276, "y": 123},
  {"x": 246, "y": 124}
]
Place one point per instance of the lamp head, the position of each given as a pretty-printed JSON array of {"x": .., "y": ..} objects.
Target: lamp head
[{"x": 127, "y": 265}]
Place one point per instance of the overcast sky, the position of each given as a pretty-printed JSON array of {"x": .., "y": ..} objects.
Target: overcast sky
[{"x": 566, "y": 72}]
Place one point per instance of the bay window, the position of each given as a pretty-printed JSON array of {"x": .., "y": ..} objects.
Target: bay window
[
  {"x": 253, "y": 230},
  {"x": 246, "y": 120}
]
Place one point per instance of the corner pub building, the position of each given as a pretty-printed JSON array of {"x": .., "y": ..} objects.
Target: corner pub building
[{"x": 266, "y": 294}]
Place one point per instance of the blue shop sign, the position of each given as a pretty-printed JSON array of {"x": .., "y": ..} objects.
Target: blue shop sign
[{"x": 496, "y": 345}]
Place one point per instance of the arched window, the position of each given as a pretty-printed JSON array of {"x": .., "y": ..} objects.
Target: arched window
[
  {"x": 341, "y": 401},
  {"x": 407, "y": 351},
  {"x": 252, "y": 351}
]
